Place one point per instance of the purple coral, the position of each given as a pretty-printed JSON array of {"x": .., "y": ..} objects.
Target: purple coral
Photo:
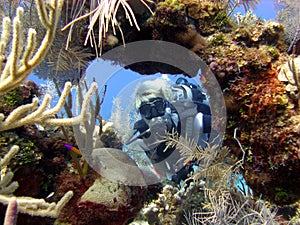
[{"x": 11, "y": 212}]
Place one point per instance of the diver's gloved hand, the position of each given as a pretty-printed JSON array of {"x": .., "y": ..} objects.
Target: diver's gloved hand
[
  {"x": 182, "y": 174},
  {"x": 141, "y": 126},
  {"x": 142, "y": 131},
  {"x": 158, "y": 129}
]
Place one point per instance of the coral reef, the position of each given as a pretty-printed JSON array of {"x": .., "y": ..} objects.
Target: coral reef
[
  {"x": 29, "y": 205},
  {"x": 196, "y": 201},
  {"x": 169, "y": 18},
  {"x": 261, "y": 86},
  {"x": 172, "y": 202},
  {"x": 244, "y": 50},
  {"x": 259, "y": 105},
  {"x": 208, "y": 16},
  {"x": 165, "y": 208},
  {"x": 246, "y": 54},
  {"x": 21, "y": 95},
  {"x": 246, "y": 61},
  {"x": 269, "y": 133}
]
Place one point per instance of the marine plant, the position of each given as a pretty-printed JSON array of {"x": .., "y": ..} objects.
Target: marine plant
[{"x": 230, "y": 207}]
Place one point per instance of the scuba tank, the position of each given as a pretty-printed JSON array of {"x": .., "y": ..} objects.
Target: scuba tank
[{"x": 194, "y": 111}]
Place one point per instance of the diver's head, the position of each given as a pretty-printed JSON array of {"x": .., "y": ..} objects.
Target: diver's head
[
  {"x": 150, "y": 89},
  {"x": 153, "y": 99}
]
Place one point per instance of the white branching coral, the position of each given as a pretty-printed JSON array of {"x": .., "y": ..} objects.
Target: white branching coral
[
  {"x": 32, "y": 113},
  {"x": 6, "y": 186},
  {"x": 21, "y": 61},
  {"x": 39, "y": 207},
  {"x": 29, "y": 205}
]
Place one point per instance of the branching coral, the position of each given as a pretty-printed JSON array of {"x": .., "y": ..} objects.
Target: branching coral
[
  {"x": 32, "y": 113},
  {"x": 21, "y": 61},
  {"x": 39, "y": 207},
  {"x": 6, "y": 186},
  {"x": 32, "y": 206}
]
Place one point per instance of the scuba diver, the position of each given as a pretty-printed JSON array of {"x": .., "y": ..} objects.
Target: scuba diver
[{"x": 180, "y": 108}]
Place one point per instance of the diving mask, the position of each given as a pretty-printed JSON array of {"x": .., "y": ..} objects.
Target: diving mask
[{"x": 155, "y": 107}]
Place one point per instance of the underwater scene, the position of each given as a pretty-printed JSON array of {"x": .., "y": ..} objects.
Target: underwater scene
[{"x": 149, "y": 112}]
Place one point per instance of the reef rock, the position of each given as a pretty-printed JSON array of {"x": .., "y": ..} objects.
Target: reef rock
[{"x": 107, "y": 202}]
